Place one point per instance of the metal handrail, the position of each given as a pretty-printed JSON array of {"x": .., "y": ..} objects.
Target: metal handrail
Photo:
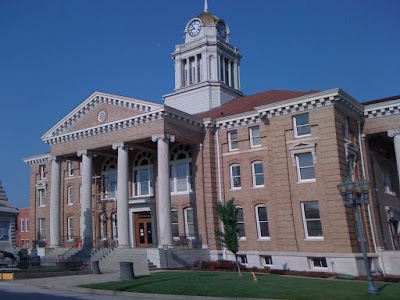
[
  {"x": 104, "y": 243},
  {"x": 83, "y": 243}
]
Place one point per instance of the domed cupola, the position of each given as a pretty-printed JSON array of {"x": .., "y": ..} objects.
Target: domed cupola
[{"x": 207, "y": 66}]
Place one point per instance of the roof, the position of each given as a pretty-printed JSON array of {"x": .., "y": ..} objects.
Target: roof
[
  {"x": 249, "y": 103},
  {"x": 208, "y": 18},
  {"x": 382, "y": 100}
]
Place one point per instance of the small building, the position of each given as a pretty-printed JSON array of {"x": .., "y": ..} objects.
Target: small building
[{"x": 8, "y": 216}]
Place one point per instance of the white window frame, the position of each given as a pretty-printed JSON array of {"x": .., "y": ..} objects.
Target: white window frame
[
  {"x": 266, "y": 260},
  {"x": 387, "y": 183},
  {"x": 258, "y": 223},
  {"x": 189, "y": 235},
  {"x": 233, "y": 177},
  {"x": 296, "y": 127},
  {"x": 253, "y": 171},
  {"x": 137, "y": 185},
  {"x": 243, "y": 259},
  {"x": 254, "y": 137},
  {"x": 42, "y": 197},
  {"x": 42, "y": 171},
  {"x": 22, "y": 229},
  {"x": 70, "y": 195},
  {"x": 233, "y": 143},
  {"x": 110, "y": 181},
  {"x": 174, "y": 210},
  {"x": 243, "y": 235},
  {"x": 320, "y": 265},
  {"x": 299, "y": 168},
  {"x": 114, "y": 226},
  {"x": 175, "y": 162},
  {"x": 70, "y": 165},
  {"x": 305, "y": 220},
  {"x": 26, "y": 225},
  {"x": 102, "y": 227},
  {"x": 70, "y": 229},
  {"x": 42, "y": 229}
]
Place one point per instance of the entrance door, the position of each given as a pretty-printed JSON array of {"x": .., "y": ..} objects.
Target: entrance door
[{"x": 143, "y": 231}]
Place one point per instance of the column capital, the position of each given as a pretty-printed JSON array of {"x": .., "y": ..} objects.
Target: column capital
[
  {"x": 393, "y": 132},
  {"x": 164, "y": 136},
  {"x": 55, "y": 159},
  {"x": 115, "y": 146},
  {"x": 86, "y": 152}
]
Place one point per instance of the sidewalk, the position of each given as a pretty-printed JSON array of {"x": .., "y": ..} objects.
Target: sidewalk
[{"x": 71, "y": 283}]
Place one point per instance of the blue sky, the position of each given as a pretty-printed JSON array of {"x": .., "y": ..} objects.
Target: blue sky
[{"x": 55, "y": 53}]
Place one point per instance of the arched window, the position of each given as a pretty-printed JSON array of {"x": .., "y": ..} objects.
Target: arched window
[
  {"x": 181, "y": 169},
  {"x": 143, "y": 182},
  {"x": 109, "y": 175}
]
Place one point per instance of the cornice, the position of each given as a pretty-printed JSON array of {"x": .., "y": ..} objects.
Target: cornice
[
  {"x": 38, "y": 159},
  {"x": 382, "y": 109},
  {"x": 182, "y": 116},
  {"x": 242, "y": 120},
  {"x": 94, "y": 100}
]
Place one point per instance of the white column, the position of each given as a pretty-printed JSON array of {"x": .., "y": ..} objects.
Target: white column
[
  {"x": 164, "y": 194},
  {"x": 122, "y": 195},
  {"x": 178, "y": 74},
  {"x": 55, "y": 203},
  {"x": 86, "y": 227},
  {"x": 395, "y": 133},
  {"x": 235, "y": 75}
]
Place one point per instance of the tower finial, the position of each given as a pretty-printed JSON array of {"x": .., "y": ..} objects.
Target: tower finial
[{"x": 205, "y": 6}]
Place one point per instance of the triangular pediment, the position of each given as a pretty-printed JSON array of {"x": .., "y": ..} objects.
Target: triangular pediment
[
  {"x": 301, "y": 145},
  {"x": 100, "y": 109}
]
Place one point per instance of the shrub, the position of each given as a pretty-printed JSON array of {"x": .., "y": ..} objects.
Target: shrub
[{"x": 216, "y": 265}]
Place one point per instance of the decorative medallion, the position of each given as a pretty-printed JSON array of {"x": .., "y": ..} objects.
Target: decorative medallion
[{"x": 102, "y": 116}]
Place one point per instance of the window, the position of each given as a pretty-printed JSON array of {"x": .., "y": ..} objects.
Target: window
[
  {"x": 42, "y": 228},
  {"x": 109, "y": 179},
  {"x": 311, "y": 220},
  {"x": 181, "y": 170},
  {"x": 189, "y": 222},
  {"x": 318, "y": 262},
  {"x": 175, "y": 224},
  {"x": 235, "y": 176},
  {"x": 346, "y": 131},
  {"x": 143, "y": 175},
  {"x": 70, "y": 169},
  {"x": 266, "y": 260},
  {"x": 42, "y": 171},
  {"x": 42, "y": 197},
  {"x": 302, "y": 125},
  {"x": 70, "y": 195},
  {"x": 70, "y": 228},
  {"x": 22, "y": 229},
  {"x": 233, "y": 140},
  {"x": 242, "y": 259},
  {"x": 26, "y": 225},
  {"x": 305, "y": 167},
  {"x": 258, "y": 174},
  {"x": 387, "y": 183},
  {"x": 255, "y": 138},
  {"x": 240, "y": 221},
  {"x": 114, "y": 221},
  {"x": 262, "y": 222},
  {"x": 103, "y": 227}
]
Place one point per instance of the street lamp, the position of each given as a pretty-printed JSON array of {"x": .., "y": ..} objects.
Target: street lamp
[{"x": 354, "y": 194}]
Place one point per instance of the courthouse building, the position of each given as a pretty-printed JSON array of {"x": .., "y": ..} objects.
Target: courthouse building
[{"x": 145, "y": 175}]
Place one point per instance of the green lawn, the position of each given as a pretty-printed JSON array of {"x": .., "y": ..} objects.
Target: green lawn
[{"x": 228, "y": 284}]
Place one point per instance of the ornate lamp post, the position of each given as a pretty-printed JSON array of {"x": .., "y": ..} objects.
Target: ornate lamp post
[{"x": 354, "y": 194}]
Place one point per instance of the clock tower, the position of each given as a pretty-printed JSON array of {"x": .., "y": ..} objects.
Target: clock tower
[{"x": 207, "y": 66}]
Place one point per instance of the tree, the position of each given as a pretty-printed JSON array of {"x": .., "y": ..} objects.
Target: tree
[{"x": 229, "y": 236}]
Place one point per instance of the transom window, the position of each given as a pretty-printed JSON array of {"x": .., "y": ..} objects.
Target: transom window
[
  {"x": 181, "y": 169},
  {"x": 258, "y": 174},
  {"x": 305, "y": 166},
  {"x": 311, "y": 220},
  {"x": 109, "y": 176},
  {"x": 143, "y": 175},
  {"x": 302, "y": 125},
  {"x": 233, "y": 140},
  {"x": 262, "y": 222},
  {"x": 235, "y": 176},
  {"x": 255, "y": 138},
  {"x": 240, "y": 221}
]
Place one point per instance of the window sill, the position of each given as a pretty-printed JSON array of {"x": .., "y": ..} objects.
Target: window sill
[
  {"x": 255, "y": 146},
  {"x": 264, "y": 239},
  {"x": 70, "y": 240},
  {"x": 236, "y": 189},
  {"x": 302, "y": 136},
  {"x": 393, "y": 194},
  {"x": 70, "y": 204},
  {"x": 258, "y": 186},
  {"x": 181, "y": 193},
  {"x": 306, "y": 181},
  {"x": 42, "y": 206},
  {"x": 317, "y": 239},
  {"x": 242, "y": 239}
]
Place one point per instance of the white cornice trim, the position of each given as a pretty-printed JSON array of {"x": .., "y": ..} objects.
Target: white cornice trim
[
  {"x": 180, "y": 115},
  {"x": 382, "y": 109},
  {"x": 38, "y": 159},
  {"x": 94, "y": 100}
]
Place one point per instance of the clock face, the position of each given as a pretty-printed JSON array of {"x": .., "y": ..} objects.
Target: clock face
[
  {"x": 221, "y": 28},
  {"x": 194, "y": 28}
]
